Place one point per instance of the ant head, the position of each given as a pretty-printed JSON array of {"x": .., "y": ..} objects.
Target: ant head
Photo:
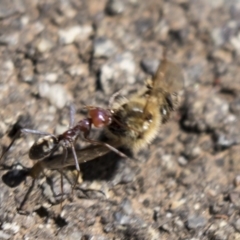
[
  {"x": 100, "y": 117},
  {"x": 43, "y": 147}
]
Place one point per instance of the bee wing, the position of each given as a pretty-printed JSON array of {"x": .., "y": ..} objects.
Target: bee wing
[
  {"x": 86, "y": 154},
  {"x": 167, "y": 81},
  {"x": 168, "y": 77}
]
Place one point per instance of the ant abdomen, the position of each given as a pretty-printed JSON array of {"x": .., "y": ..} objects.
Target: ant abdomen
[{"x": 43, "y": 147}]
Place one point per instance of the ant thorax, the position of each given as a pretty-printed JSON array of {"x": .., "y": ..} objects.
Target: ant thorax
[{"x": 43, "y": 147}]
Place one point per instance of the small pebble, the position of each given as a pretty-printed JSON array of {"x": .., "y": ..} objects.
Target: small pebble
[
  {"x": 235, "y": 41},
  {"x": 182, "y": 161},
  {"x": 44, "y": 45},
  {"x": 167, "y": 227},
  {"x": 78, "y": 70},
  {"x": 108, "y": 228},
  {"x": 176, "y": 21},
  {"x": 237, "y": 180},
  {"x": 51, "y": 77},
  {"x": 6, "y": 70},
  {"x": 4, "y": 235},
  {"x": 56, "y": 94},
  {"x": 126, "y": 206},
  {"x": 235, "y": 106},
  {"x": 104, "y": 47},
  {"x": 150, "y": 65},
  {"x": 118, "y": 72},
  {"x": 217, "y": 36},
  {"x": 13, "y": 227},
  {"x": 9, "y": 38},
  {"x": 237, "y": 224},
  {"x": 194, "y": 222},
  {"x": 26, "y": 72},
  {"x": 68, "y": 36},
  {"x": 115, "y": 7},
  {"x": 9, "y": 8},
  {"x": 221, "y": 234},
  {"x": 123, "y": 175},
  {"x": 121, "y": 218}
]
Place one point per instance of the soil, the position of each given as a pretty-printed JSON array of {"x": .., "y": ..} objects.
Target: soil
[{"x": 186, "y": 184}]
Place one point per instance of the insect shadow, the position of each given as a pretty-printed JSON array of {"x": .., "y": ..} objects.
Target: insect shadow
[
  {"x": 15, "y": 177},
  {"x": 99, "y": 168}
]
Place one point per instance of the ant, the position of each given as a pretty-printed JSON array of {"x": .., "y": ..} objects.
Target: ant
[{"x": 48, "y": 144}]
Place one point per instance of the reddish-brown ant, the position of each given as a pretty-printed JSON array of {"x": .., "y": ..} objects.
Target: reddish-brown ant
[{"x": 47, "y": 145}]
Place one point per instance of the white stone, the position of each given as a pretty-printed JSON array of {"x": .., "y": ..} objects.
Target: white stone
[
  {"x": 68, "y": 36},
  {"x": 56, "y": 94}
]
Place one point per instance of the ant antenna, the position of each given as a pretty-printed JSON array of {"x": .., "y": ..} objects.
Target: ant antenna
[{"x": 72, "y": 112}]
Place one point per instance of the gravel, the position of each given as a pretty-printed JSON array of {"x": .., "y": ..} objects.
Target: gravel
[
  {"x": 115, "y": 7},
  {"x": 185, "y": 184},
  {"x": 194, "y": 222},
  {"x": 104, "y": 47},
  {"x": 56, "y": 94}
]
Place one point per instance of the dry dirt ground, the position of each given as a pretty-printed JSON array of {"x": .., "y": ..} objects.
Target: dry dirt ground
[{"x": 186, "y": 185}]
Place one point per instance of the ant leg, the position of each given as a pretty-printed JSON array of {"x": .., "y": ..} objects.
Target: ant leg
[
  {"x": 23, "y": 130},
  {"x": 108, "y": 146},
  {"x": 63, "y": 161},
  {"x": 77, "y": 165},
  {"x": 9, "y": 146},
  {"x": 36, "y": 132},
  {"x": 72, "y": 111}
]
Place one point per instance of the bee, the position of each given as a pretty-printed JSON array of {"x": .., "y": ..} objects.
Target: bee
[{"x": 138, "y": 119}]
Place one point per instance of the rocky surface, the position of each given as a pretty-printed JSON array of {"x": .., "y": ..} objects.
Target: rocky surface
[{"x": 186, "y": 184}]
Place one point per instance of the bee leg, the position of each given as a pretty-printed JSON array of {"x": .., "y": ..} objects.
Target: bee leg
[{"x": 113, "y": 98}]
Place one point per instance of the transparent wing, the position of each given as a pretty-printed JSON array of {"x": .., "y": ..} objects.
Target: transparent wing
[
  {"x": 83, "y": 155},
  {"x": 169, "y": 77}
]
